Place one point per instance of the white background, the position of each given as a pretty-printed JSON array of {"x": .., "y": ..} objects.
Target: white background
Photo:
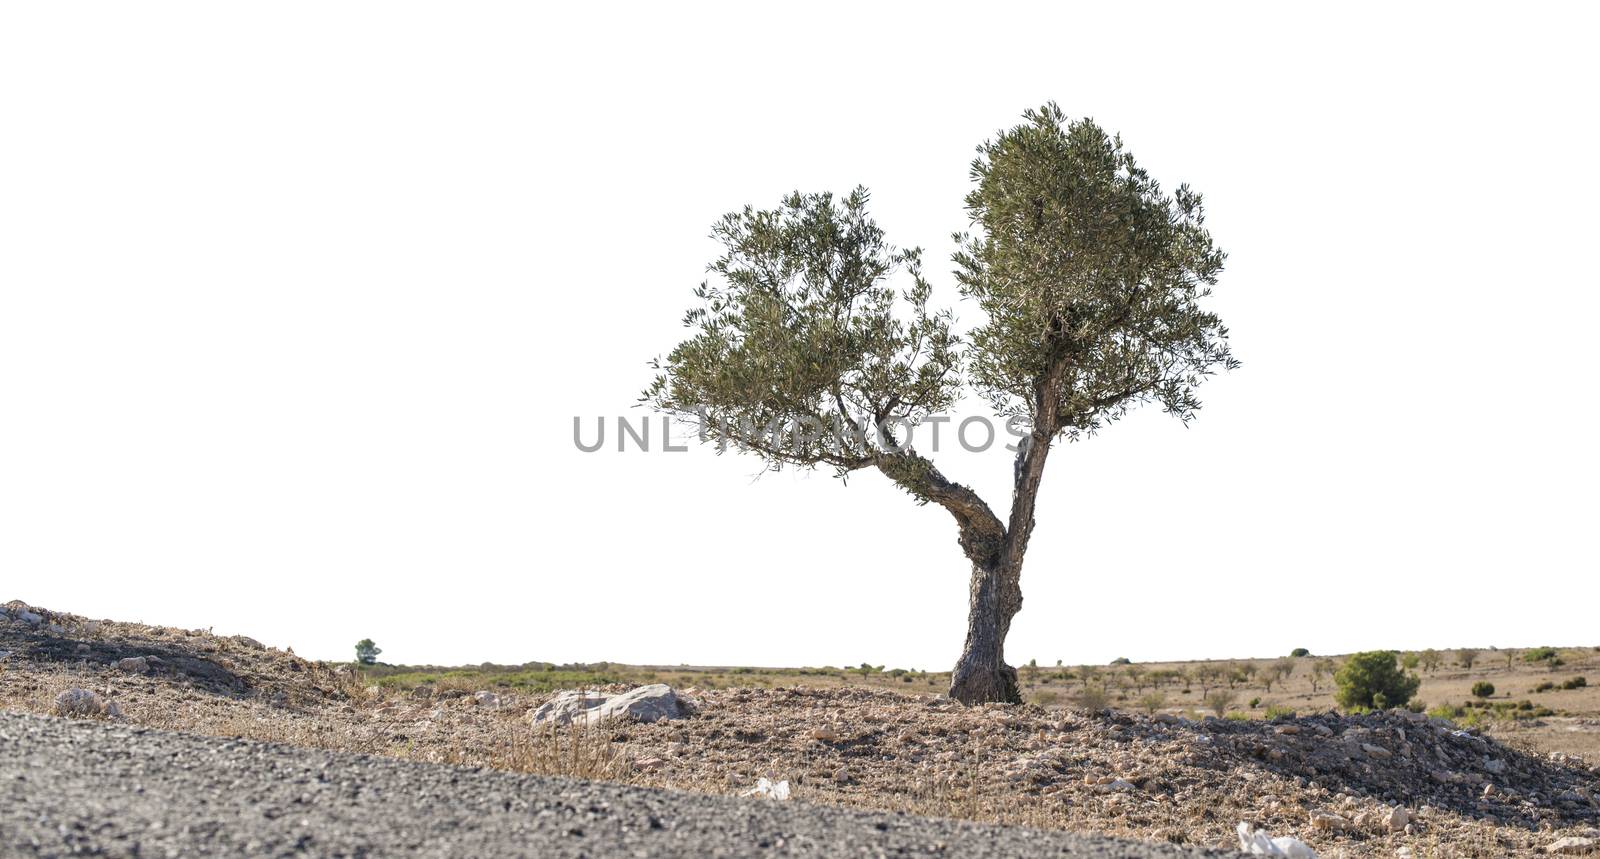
[{"x": 298, "y": 302}]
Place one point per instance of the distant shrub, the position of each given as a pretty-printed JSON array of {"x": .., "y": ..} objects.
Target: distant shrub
[
  {"x": 1483, "y": 689},
  {"x": 1447, "y": 712},
  {"x": 1373, "y": 679},
  {"x": 1122, "y": 660},
  {"x": 1047, "y": 697},
  {"x": 1092, "y": 698},
  {"x": 1575, "y": 683},
  {"x": 1279, "y": 711},
  {"x": 1539, "y": 654},
  {"x": 1546, "y": 686},
  {"x": 1237, "y": 717},
  {"x": 1301, "y": 652},
  {"x": 1153, "y": 702},
  {"x": 1220, "y": 700},
  {"x": 1255, "y": 702},
  {"x": 1410, "y": 661}
]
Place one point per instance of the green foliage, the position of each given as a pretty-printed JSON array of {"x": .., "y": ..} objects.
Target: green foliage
[
  {"x": 1539, "y": 654},
  {"x": 1483, "y": 689},
  {"x": 1122, "y": 660},
  {"x": 1575, "y": 683},
  {"x": 1410, "y": 661},
  {"x": 1446, "y": 711},
  {"x": 1279, "y": 711},
  {"x": 1255, "y": 702},
  {"x": 367, "y": 652},
  {"x": 1081, "y": 261},
  {"x": 801, "y": 333},
  {"x": 1374, "y": 680},
  {"x": 1546, "y": 686},
  {"x": 1299, "y": 653}
]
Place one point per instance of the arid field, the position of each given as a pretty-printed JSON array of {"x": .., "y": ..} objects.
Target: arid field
[{"x": 1136, "y": 750}]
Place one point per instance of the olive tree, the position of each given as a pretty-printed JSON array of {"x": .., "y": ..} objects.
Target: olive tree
[{"x": 813, "y": 343}]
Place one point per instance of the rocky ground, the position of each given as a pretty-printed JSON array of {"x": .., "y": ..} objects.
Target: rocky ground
[
  {"x": 80, "y": 788},
  {"x": 1382, "y": 784}
]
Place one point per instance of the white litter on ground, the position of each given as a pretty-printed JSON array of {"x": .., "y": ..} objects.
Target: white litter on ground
[{"x": 1256, "y": 842}]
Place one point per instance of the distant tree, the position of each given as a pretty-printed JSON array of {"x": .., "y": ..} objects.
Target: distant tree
[
  {"x": 1410, "y": 661},
  {"x": 1091, "y": 281},
  {"x": 1374, "y": 680},
  {"x": 367, "y": 652},
  {"x": 1207, "y": 674},
  {"x": 1278, "y": 672},
  {"x": 1152, "y": 702},
  {"x": 1299, "y": 653},
  {"x": 1236, "y": 673},
  {"x": 1483, "y": 689},
  {"x": 1466, "y": 656},
  {"x": 1087, "y": 674},
  {"x": 1429, "y": 659},
  {"x": 1319, "y": 669},
  {"x": 1136, "y": 675}
]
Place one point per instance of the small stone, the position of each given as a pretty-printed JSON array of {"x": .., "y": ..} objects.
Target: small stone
[
  {"x": 112, "y": 710},
  {"x": 1376, "y": 751},
  {"x": 485, "y": 698},
  {"x": 1397, "y": 819},
  {"x": 1286, "y": 729},
  {"x": 825, "y": 734},
  {"x": 133, "y": 665},
  {"x": 648, "y": 764},
  {"x": 78, "y": 702},
  {"x": 1488, "y": 790},
  {"x": 1326, "y": 821}
]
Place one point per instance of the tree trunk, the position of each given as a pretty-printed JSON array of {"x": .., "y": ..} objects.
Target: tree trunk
[{"x": 982, "y": 674}]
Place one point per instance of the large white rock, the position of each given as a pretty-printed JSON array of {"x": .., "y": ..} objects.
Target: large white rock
[
  {"x": 644, "y": 704},
  {"x": 567, "y": 707}
]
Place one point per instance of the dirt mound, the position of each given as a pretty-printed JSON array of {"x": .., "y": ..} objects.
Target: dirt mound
[
  {"x": 1155, "y": 777},
  {"x": 45, "y": 643}
]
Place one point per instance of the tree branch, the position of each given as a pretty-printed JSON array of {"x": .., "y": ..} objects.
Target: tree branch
[{"x": 982, "y": 534}]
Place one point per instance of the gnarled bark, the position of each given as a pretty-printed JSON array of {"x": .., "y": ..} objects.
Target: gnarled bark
[{"x": 982, "y": 673}]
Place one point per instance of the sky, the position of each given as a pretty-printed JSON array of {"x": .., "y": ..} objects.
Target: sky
[{"x": 299, "y": 301}]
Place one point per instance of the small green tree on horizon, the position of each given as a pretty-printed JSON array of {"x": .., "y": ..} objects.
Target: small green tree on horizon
[
  {"x": 367, "y": 652},
  {"x": 1090, "y": 279},
  {"x": 1373, "y": 680}
]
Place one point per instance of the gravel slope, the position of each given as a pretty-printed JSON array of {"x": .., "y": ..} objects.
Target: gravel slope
[{"x": 76, "y": 788}]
